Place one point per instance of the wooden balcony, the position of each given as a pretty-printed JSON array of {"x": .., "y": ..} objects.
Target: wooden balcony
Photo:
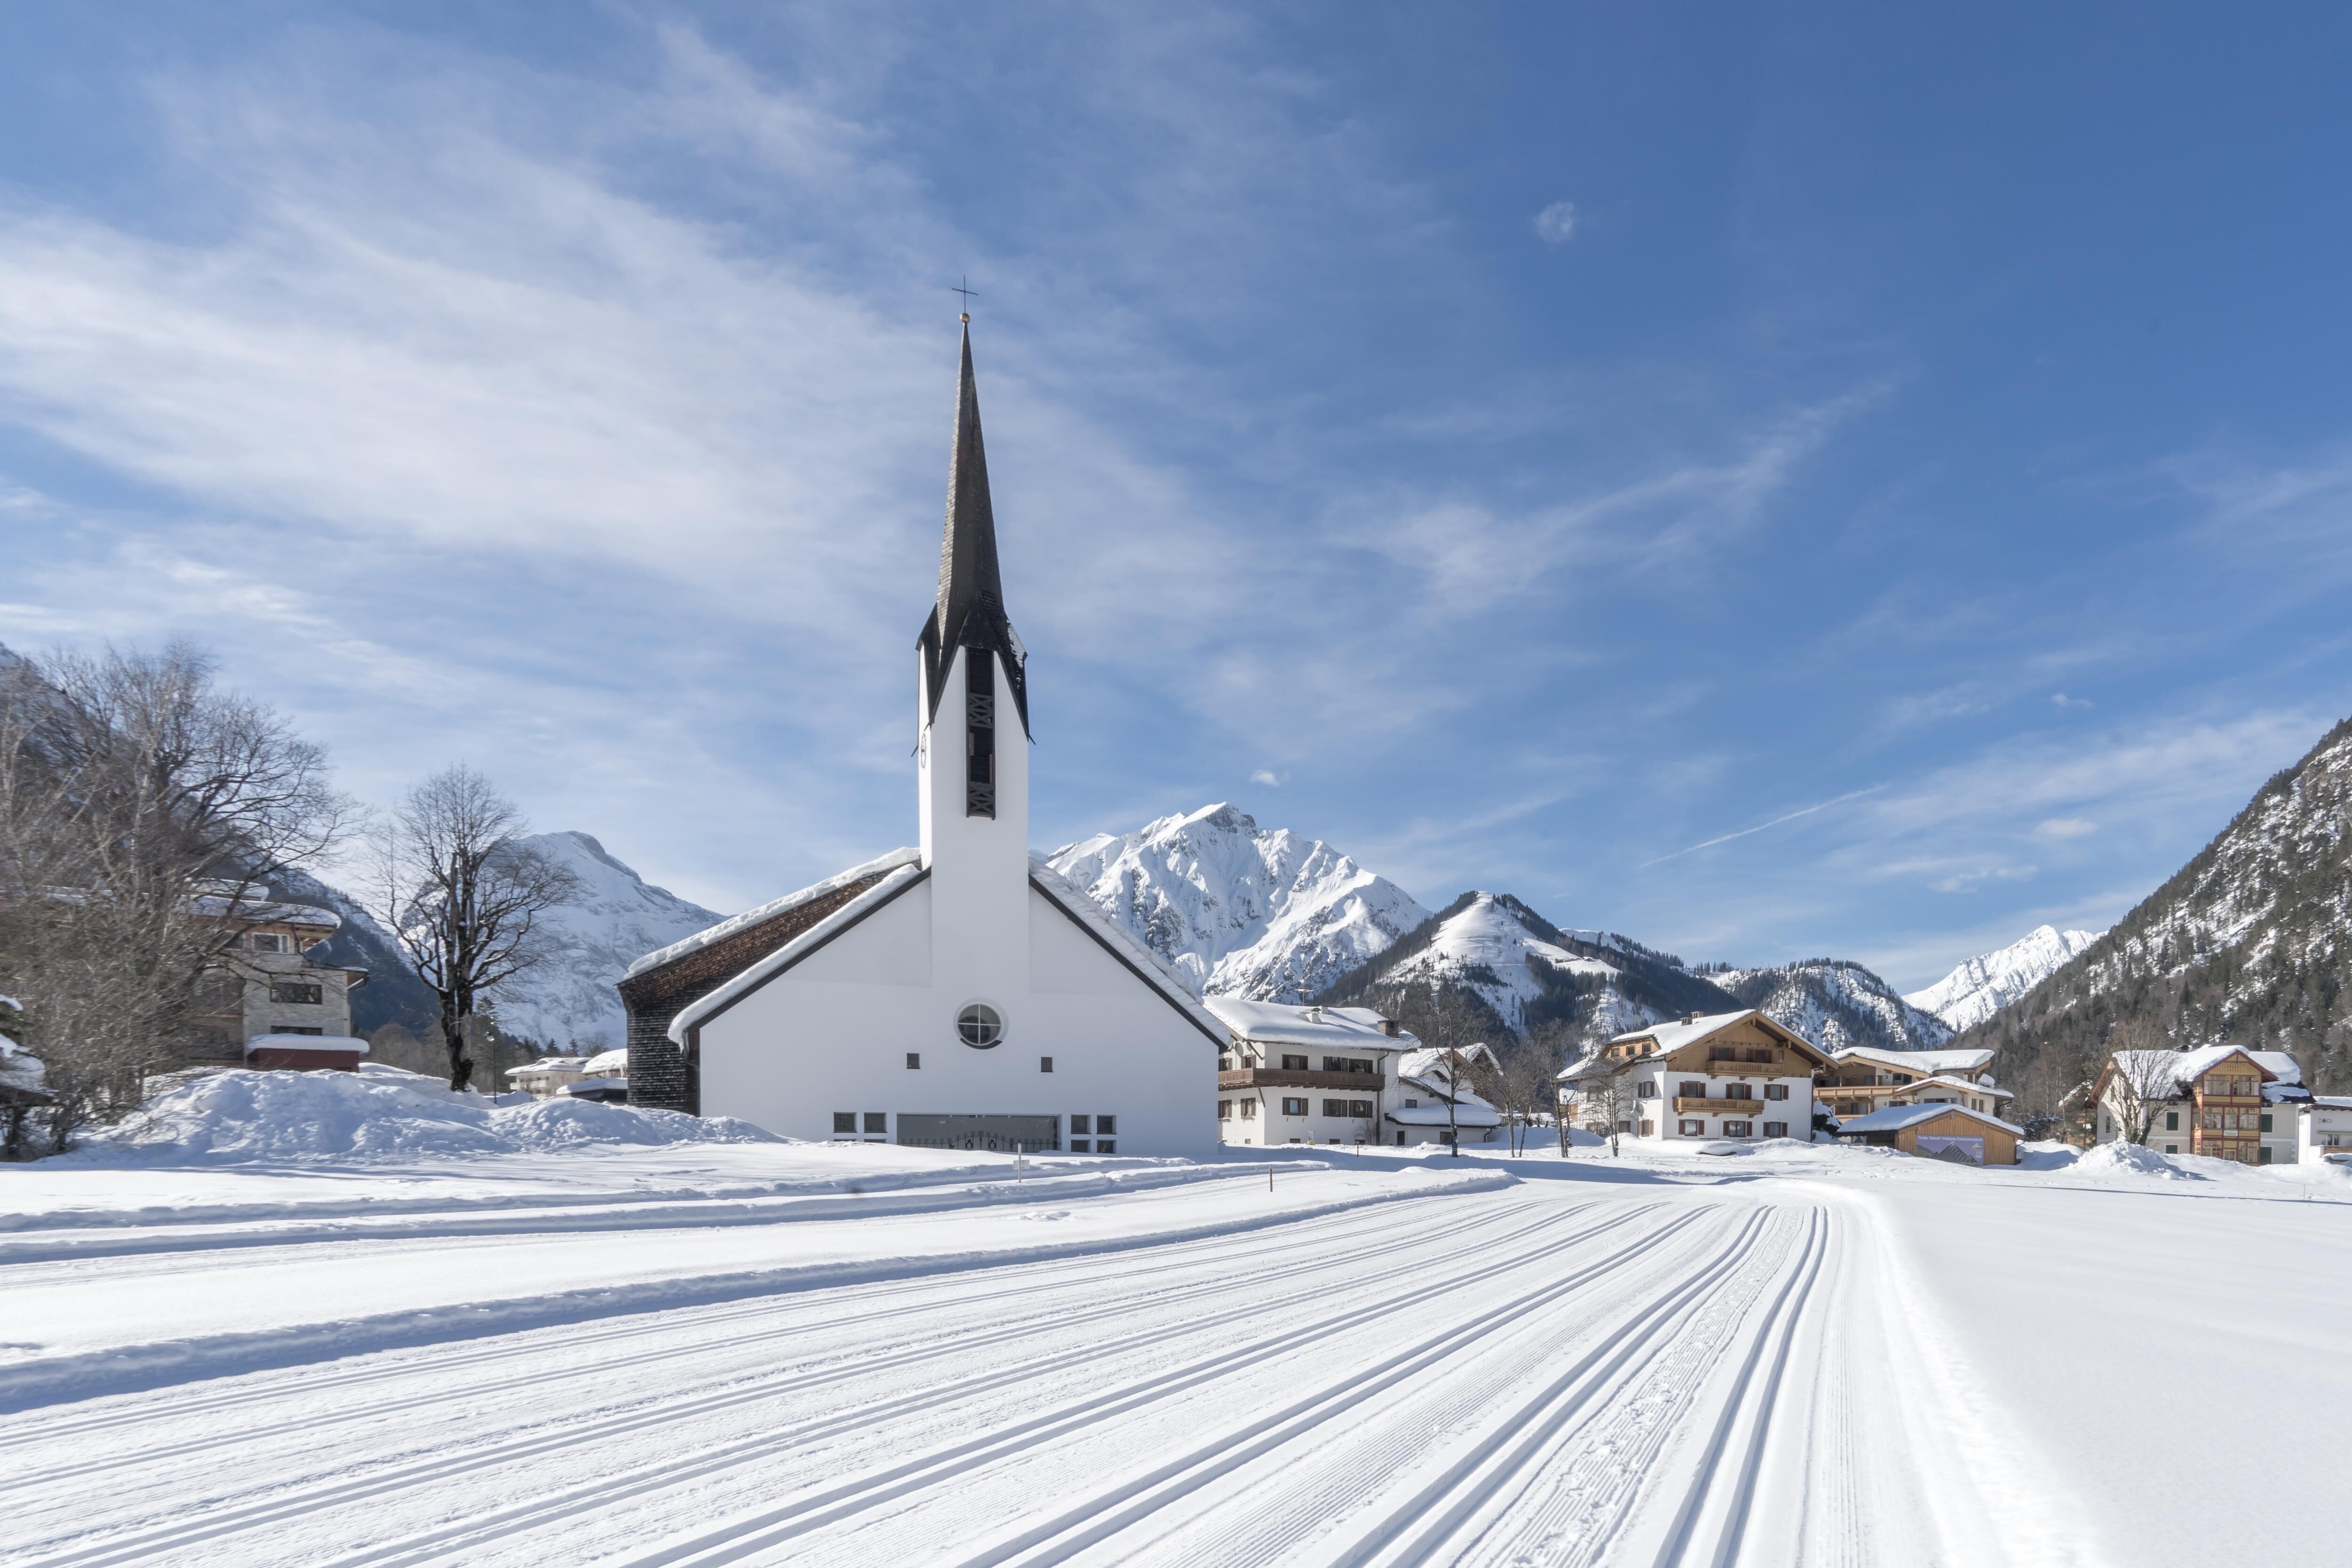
[
  {"x": 1286, "y": 1078},
  {"x": 1703, "y": 1105}
]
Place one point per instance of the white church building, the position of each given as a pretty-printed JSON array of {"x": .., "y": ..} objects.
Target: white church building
[{"x": 958, "y": 995}]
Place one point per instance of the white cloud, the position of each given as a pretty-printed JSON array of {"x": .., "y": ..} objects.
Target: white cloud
[
  {"x": 1556, "y": 225},
  {"x": 2060, "y": 700},
  {"x": 1267, "y": 777},
  {"x": 2064, "y": 827}
]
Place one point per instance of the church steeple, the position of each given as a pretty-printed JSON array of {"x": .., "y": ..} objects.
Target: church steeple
[{"x": 969, "y": 612}]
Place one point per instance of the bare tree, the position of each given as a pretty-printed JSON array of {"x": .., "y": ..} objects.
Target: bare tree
[
  {"x": 1525, "y": 1090},
  {"x": 139, "y": 807},
  {"x": 2141, "y": 1078},
  {"x": 456, "y": 884}
]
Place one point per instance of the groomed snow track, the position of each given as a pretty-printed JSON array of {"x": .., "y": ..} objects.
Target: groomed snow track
[{"x": 1526, "y": 1375}]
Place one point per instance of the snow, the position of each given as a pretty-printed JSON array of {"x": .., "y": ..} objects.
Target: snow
[
  {"x": 244, "y": 1115},
  {"x": 1669, "y": 1037},
  {"x": 1895, "y": 1118},
  {"x": 307, "y": 1043},
  {"x": 20, "y": 1069},
  {"x": 767, "y": 1351},
  {"x": 1828, "y": 1000},
  {"x": 1239, "y": 911},
  {"x": 2188, "y": 1065},
  {"x": 1986, "y": 983},
  {"x": 1919, "y": 1061},
  {"x": 702, "y": 938},
  {"x": 1281, "y": 1022},
  {"x": 567, "y": 998},
  {"x": 1485, "y": 947}
]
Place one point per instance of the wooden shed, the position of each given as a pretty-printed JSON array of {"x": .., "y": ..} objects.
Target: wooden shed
[{"x": 1937, "y": 1132}]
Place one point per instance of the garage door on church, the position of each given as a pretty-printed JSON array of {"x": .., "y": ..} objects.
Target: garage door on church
[{"x": 996, "y": 1134}]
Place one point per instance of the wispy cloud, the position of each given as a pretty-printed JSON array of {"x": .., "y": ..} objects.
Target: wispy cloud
[
  {"x": 1762, "y": 827},
  {"x": 1556, "y": 225}
]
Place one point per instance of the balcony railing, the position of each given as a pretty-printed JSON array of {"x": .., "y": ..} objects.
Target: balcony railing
[
  {"x": 1290, "y": 1078},
  {"x": 1684, "y": 1104}
]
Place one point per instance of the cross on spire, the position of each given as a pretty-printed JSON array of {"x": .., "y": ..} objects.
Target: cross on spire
[{"x": 969, "y": 296}]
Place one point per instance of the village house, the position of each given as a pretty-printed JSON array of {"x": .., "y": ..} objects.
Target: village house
[
  {"x": 1338, "y": 1075},
  {"x": 1861, "y": 1079},
  {"x": 270, "y": 984},
  {"x": 1938, "y": 1129},
  {"x": 956, "y": 993},
  {"x": 2323, "y": 1129},
  {"x": 2224, "y": 1102},
  {"x": 1723, "y": 1075},
  {"x": 549, "y": 1076}
]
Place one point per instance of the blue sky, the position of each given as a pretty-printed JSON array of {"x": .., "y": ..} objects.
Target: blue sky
[{"x": 1773, "y": 481}]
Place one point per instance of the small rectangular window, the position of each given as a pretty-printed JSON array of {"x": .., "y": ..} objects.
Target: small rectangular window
[
  {"x": 309, "y": 1031},
  {"x": 1359, "y": 1107},
  {"x": 1690, "y": 1127},
  {"x": 1294, "y": 1064},
  {"x": 1691, "y": 1090},
  {"x": 266, "y": 942},
  {"x": 295, "y": 991},
  {"x": 1646, "y": 1089},
  {"x": 914, "y": 1060},
  {"x": 1106, "y": 1123},
  {"x": 844, "y": 1121},
  {"x": 1225, "y": 1110},
  {"x": 1249, "y": 1110},
  {"x": 878, "y": 1122},
  {"x": 1297, "y": 1107},
  {"x": 1776, "y": 1129},
  {"x": 2266, "y": 1121},
  {"x": 1105, "y": 1146},
  {"x": 2172, "y": 1121},
  {"x": 1080, "y": 1146},
  {"x": 1044, "y": 1064},
  {"x": 1335, "y": 1107},
  {"x": 1081, "y": 1124},
  {"x": 1648, "y": 1128},
  {"x": 1739, "y": 1129},
  {"x": 1776, "y": 1091}
]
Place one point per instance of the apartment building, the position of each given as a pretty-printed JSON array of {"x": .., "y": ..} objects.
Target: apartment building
[
  {"x": 269, "y": 983},
  {"x": 1349, "y": 1076},
  {"x": 1861, "y": 1079},
  {"x": 1721, "y": 1075},
  {"x": 2224, "y": 1102}
]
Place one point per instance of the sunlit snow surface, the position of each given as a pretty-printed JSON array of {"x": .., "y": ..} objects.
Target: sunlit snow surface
[
  {"x": 1237, "y": 910},
  {"x": 1986, "y": 983},
  {"x": 770, "y": 1353}
]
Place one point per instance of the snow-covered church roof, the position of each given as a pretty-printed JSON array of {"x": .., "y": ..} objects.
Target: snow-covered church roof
[{"x": 1285, "y": 1024}]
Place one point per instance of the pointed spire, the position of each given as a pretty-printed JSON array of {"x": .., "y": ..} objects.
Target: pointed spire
[{"x": 969, "y": 612}]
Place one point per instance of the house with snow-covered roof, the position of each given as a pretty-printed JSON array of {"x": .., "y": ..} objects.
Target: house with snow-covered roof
[
  {"x": 2323, "y": 1129},
  {"x": 1863, "y": 1079},
  {"x": 958, "y": 994},
  {"x": 1296, "y": 1074},
  {"x": 1704, "y": 1076},
  {"x": 1942, "y": 1130},
  {"x": 2225, "y": 1102}
]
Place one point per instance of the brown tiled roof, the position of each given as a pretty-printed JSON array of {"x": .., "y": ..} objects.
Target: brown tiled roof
[{"x": 706, "y": 967}]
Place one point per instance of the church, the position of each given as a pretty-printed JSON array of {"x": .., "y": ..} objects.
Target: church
[{"x": 958, "y": 995}]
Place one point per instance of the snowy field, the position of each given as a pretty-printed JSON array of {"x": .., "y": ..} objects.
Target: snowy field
[{"x": 392, "y": 1330}]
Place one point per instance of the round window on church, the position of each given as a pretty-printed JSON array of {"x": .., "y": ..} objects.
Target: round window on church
[{"x": 980, "y": 1024}]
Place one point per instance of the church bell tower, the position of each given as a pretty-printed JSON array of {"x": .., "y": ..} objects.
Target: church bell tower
[{"x": 972, "y": 697}]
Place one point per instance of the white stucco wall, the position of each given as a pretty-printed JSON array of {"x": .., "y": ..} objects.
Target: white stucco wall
[{"x": 832, "y": 1034}]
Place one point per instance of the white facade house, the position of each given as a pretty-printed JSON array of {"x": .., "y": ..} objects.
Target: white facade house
[
  {"x": 1738, "y": 1076},
  {"x": 1861, "y": 1079},
  {"x": 1340, "y": 1074},
  {"x": 954, "y": 994},
  {"x": 2219, "y": 1101},
  {"x": 2323, "y": 1129}
]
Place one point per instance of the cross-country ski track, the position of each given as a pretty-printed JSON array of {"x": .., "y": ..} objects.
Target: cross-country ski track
[{"x": 1545, "y": 1372}]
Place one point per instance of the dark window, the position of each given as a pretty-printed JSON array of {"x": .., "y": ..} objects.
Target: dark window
[
  {"x": 914, "y": 1060},
  {"x": 1105, "y": 1146},
  {"x": 296, "y": 991},
  {"x": 1106, "y": 1123},
  {"x": 1645, "y": 1089},
  {"x": 1044, "y": 1064},
  {"x": 1776, "y": 1129},
  {"x": 1225, "y": 1110},
  {"x": 1346, "y": 1063},
  {"x": 266, "y": 942},
  {"x": 1249, "y": 1110},
  {"x": 1294, "y": 1064},
  {"x": 979, "y": 1025},
  {"x": 1359, "y": 1107},
  {"x": 1335, "y": 1107},
  {"x": 2266, "y": 1121},
  {"x": 1080, "y": 1146},
  {"x": 1294, "y": 1107},
  {"x": 2172, "y": 1121},
  {"x": 844, "y": 1121},
  {"x": 1760, "y": 1055},
  {"x": 1691, "y": 1127},
  {"x": 1776, "y": 1091},
  {"x": 1691, "y": 1090},
  {"x": 1739, "y": 1129},
  {"x": 1722, "y": 1054},
  {"x": 1648, "y": 1128},
  {"x": 878, "y": 1122},
  {"x": 311, "y": 1031},
  {"x": 1081, "y": 1124},
  {"x": 980, "y": 733},
  {"x": 1626, "y": 1125}
]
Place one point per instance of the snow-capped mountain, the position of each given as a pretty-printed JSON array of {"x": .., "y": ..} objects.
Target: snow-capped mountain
[
  {"x": 1991, "y": 980},
  {"x": 2249, "y": 943},
  {"x": 1238, "y": 909},
  {"x": 1835, "y": 1003},
  {"x": 1519, "y": 974},
  {"x": 568, "y": 998}
]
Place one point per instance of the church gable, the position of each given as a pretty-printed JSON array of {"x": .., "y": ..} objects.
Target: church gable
[{"x": 1082, "y": 951}]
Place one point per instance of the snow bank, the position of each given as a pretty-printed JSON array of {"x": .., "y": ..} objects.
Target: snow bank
[
  {"x": 2122, "y": 1159},
  {"x": 247, "y": 1115}
]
